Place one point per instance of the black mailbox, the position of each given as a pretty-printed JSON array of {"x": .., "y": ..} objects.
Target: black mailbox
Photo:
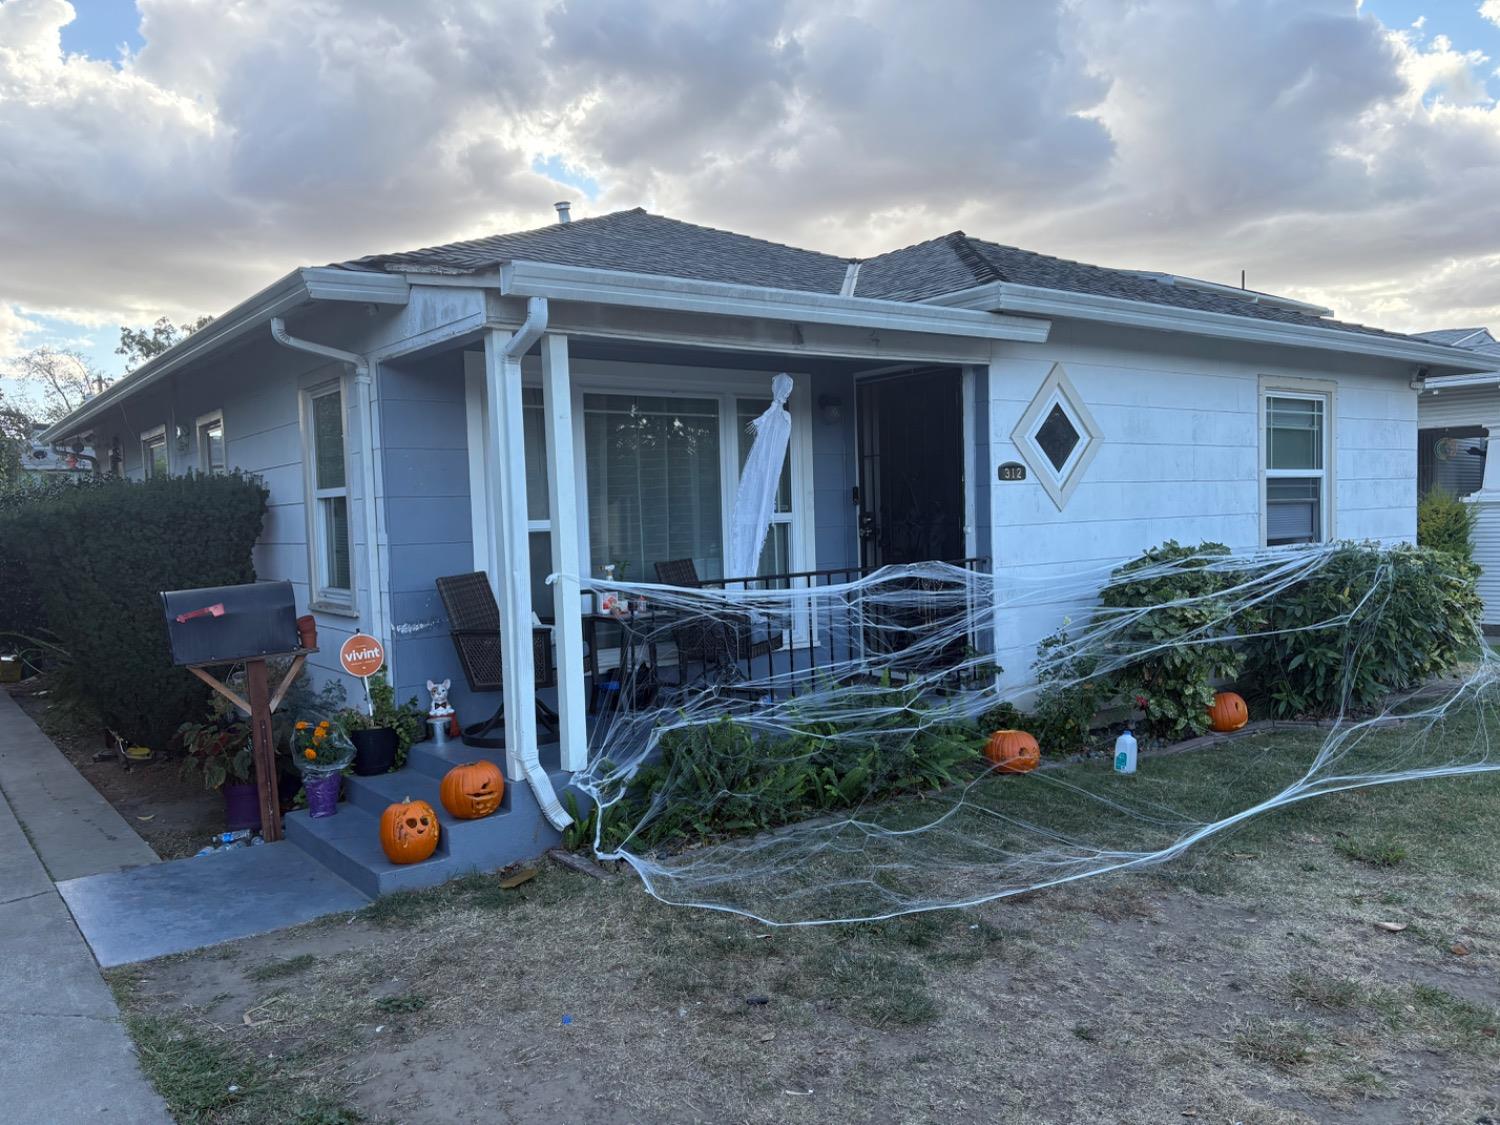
[{"x": 224, "y": 624}]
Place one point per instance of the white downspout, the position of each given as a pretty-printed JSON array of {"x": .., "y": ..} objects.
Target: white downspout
[
  {"x": 363, "y": 385},
  {"x": 530, "y": 331}
]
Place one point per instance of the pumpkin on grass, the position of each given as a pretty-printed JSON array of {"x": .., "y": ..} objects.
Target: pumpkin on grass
[
  {"x": 1228, "y": 712},
  {"x": 408, "y": 831},
  {"x": 472, "y": 790},
  {"x": 1013, "y": 751}
]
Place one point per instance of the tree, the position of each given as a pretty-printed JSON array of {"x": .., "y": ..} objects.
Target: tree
[
  {"x": 62, "y": 380},
  {"x": 138, "y": 345},
  {"x": 16, "y": 426}
]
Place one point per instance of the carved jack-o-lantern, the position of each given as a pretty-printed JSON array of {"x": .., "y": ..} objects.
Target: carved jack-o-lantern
[
  {"x": 472, "y": 790},
  {"x": 408, "y": 831},
  {"x": 1013, "y": 751},
  {"x": 1228, "y": 712}
]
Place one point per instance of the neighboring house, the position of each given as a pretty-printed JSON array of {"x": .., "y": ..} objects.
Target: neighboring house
[
  {"x": 1456, "y": 417},
  {"x": 1144, "y": 406}
]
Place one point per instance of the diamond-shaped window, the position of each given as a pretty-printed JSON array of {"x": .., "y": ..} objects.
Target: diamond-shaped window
[{"x": 1057, "y": 436}]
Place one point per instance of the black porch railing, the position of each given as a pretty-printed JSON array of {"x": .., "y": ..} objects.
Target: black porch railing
[{"x": 783, "y": 645}]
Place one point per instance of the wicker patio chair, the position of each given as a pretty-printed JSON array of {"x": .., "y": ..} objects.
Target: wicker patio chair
[
  {"x": 719, "y": 641},
  {"x": 474, "y": 621}
]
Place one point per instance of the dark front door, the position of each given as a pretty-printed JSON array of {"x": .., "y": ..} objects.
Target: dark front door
[{"x": 911, "y": 473}]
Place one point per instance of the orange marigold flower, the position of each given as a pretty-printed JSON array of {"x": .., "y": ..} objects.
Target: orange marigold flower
[
  {"x": 309, "y": 753},
  {"x": 302, "y": 724}
]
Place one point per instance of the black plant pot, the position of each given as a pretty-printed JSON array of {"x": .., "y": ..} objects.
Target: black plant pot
[{"x": 374, "y": 750}]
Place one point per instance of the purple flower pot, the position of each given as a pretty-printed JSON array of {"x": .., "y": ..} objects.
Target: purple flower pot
[
  {"x": 241, "y": 805},
  {"x": 322, "y": 794}
]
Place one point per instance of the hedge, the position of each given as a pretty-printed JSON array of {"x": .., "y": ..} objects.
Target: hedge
[{"x": 100, "y": 555}]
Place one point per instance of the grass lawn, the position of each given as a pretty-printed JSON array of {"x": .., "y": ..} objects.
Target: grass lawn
[{"x": 1248, "y": 981}]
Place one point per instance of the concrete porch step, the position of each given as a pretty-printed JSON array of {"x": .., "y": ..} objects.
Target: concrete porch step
[{"x": 348, "y": 843}]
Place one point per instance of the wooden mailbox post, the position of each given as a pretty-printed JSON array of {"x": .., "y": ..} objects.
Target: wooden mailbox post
[{"x": 250, "y": 625}]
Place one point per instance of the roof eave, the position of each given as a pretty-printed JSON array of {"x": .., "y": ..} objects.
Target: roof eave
[
  {"x": 1005, "y": 296},
  {"x": 657, "y": 291},
  {"x": 319, "y": 283}
]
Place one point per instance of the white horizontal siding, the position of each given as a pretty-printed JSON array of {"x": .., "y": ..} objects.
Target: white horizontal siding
[
  {"x": 1486, "y": 540},
  {"x": 1180, "y": 459}
]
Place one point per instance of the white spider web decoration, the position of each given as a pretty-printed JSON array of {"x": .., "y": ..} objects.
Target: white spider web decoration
[{"x": 869, "y": 669}]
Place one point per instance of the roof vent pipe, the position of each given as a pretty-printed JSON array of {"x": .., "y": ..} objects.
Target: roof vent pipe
[{"x": 562, "y": 211}]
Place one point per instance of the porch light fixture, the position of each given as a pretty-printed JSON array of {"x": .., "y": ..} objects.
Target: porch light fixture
[
  {"x": 830, "y": 409},
  {"x": 1057, "y": 436}
]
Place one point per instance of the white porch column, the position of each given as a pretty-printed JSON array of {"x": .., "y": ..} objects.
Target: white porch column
[
  {"x": 567, "y": 599},
  {"x": 509, "y": 556},
  {"x": 1486, "y": 533}
]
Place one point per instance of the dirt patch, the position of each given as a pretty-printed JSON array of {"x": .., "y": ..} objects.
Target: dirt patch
[{"x": 175, "y": 815}]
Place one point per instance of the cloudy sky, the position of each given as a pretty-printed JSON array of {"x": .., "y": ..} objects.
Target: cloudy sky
[{"x": 169, "y": 157}]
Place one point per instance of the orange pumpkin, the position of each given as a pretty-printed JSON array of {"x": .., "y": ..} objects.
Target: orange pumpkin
[
  {"x": 472, "y": 790},
  {"x": 1013, "y": 751},
  {"x": 408, "y": 831},
  {"x": 1228, "y": 712}
]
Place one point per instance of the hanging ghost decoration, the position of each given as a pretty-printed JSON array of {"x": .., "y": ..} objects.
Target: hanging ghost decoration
[{"x": 755, "y": 500}]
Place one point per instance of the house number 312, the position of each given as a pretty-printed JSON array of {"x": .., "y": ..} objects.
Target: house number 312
[{"x": 1012, "y": 470}]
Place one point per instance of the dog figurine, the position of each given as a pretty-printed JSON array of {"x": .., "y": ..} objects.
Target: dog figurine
[{"x": 441, "y": 708}]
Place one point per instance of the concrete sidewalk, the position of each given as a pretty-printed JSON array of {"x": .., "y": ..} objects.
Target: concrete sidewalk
[{"x": 65, "y": 1057}]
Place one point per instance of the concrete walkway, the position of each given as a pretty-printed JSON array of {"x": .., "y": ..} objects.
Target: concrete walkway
[{"x": 65, "y": 1057}]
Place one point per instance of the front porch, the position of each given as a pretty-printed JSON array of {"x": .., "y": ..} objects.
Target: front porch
[{"x": 581, "y": 450}]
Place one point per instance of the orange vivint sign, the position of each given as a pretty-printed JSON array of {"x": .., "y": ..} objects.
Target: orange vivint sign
[{"x": 361, "y": 655}]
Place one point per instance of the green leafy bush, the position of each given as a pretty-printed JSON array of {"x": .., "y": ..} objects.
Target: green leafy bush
[
  {"x": 1069, "y": 694},
  {"x": 1446, "y": 523},
  {"x": 22, "y": 616},
  {"x": 719, "y": 778},
  {"x": 1173, "y": 682},
  {"x": 100, "y": 555},
  {"x": 1394, "y": 617}
]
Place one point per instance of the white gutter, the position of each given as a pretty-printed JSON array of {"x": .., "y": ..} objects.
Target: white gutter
[
  {"x": 277, "y": 299},
  {"x": 1447, "y": 382},
  {"x": 677, "y": 294},
  {"x": 527, "y": 753},
  {"x": 364, "y": 407},
  {"x": 1030, "y": 300}
]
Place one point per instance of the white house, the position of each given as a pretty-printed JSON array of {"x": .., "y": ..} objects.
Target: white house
[
  {"x": 425, "y": 413},
  {"x": 1457, "y": 415}
]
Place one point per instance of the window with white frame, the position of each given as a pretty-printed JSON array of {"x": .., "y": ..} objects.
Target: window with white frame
[
  {"x": 1057, "y": 436},
  {"x": 154, "y": 453},
  {"x": 211, "y": 457},
  {"x": 661, "y": 472},
  {"x": 1297, "y": 455},
  {"x": 326, "y": 467}
]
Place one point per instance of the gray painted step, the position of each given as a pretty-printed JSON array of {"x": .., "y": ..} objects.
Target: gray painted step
[{"x": 348, "y": 843}]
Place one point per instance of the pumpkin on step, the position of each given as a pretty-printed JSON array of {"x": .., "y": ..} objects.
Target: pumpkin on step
[
  {"x": 1228, "y": 712},
  {"x": 1013, "y": 751},
  {"x": 408, "y": 831},
  {"x": 472, "y": 790}
]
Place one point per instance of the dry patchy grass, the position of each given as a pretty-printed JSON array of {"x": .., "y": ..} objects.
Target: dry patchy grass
[{"x": 1246, "y": 982}]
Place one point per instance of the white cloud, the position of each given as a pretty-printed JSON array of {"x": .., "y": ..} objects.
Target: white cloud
[
  {"x": 1299, "y": 139},
  {"x": 1490, "y": 10}
]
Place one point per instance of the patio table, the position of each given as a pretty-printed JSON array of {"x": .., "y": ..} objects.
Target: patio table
[{"x": 637, "y": 631}]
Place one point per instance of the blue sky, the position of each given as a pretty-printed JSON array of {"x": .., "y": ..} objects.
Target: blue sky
[{"x": 102, "y": 27}]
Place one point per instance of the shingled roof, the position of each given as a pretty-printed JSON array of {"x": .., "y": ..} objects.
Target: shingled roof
[{"x": 636, "y": 241}]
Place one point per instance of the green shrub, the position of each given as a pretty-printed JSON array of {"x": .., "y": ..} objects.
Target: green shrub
[
  {"x": 21, "y": 610},
  {"x": 1069, "y": 695},
  {"x": 719, "y": 778},
  {"x": 1172, "y": 681},
  {"x": 1446, "y": 523},
  {"x": 100, "y": 555},
  {"x": 1394, "y": 618}
]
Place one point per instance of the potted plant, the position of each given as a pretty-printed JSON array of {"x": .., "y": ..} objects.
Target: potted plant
[
  {"x": 322, "y": 751},
  {"x": 382, "y": 736},
  {"x": 219, "y": 750}
]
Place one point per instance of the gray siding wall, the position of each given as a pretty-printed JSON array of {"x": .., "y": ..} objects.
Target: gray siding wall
[{"x": 427, "y": 519}]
